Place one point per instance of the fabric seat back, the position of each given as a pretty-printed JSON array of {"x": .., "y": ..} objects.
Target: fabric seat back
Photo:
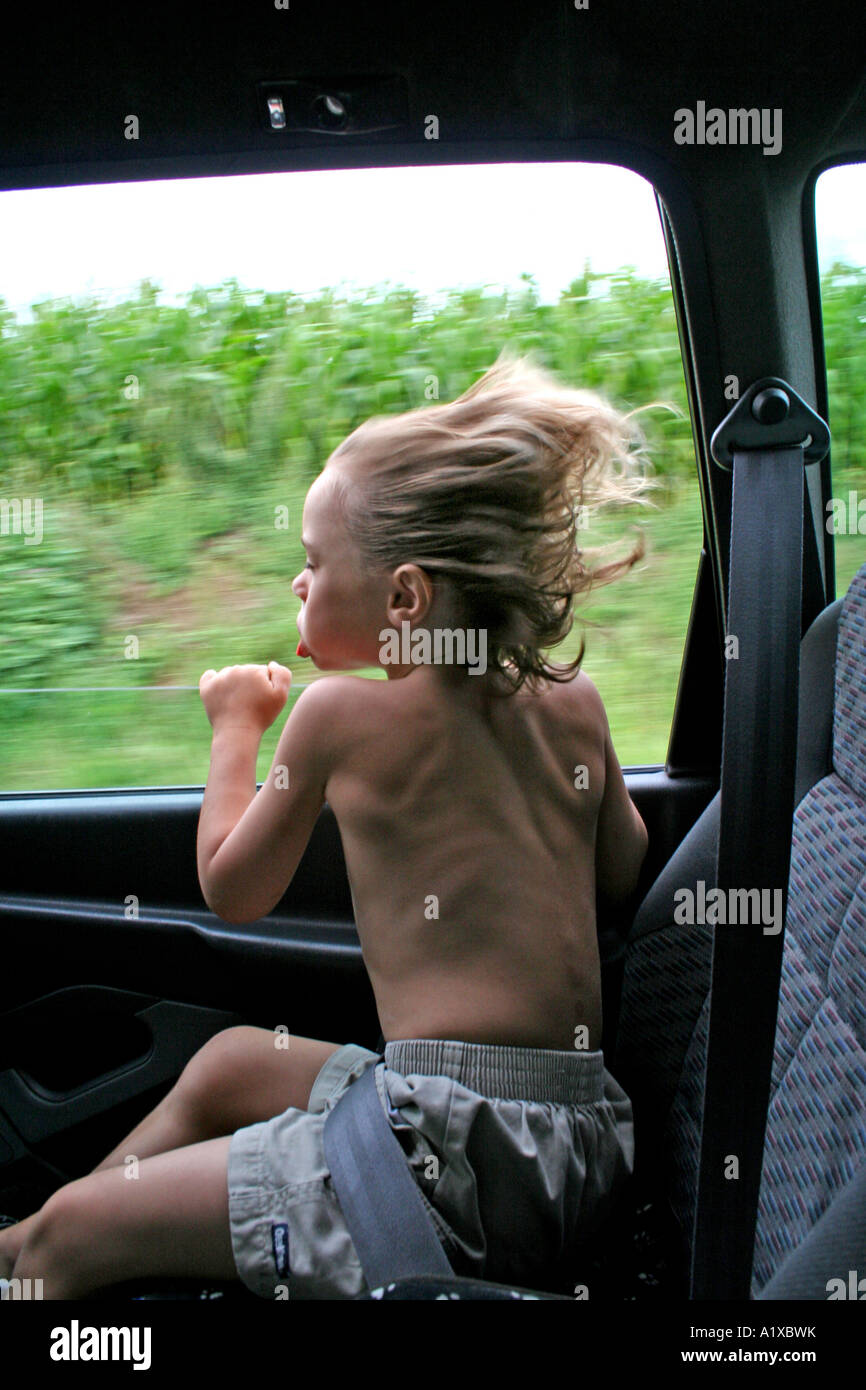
[{"x": 816, "y": 1127}]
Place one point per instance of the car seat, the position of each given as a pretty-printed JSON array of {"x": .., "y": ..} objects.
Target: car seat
[{"x": 811, "y": 1214}]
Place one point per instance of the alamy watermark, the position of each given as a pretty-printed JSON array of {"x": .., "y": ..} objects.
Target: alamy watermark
[
  {"x": 737, "y": 126},
  {"x": 21, "y": 516},
  {"x": 846, "y": 518},
  {"x": 854, "y": 1288},
  {"x": 77, "y": 1343},
  {"x": 729, "y": 907},
  {"x": 23, "y": 1289},
  {"x": 444, "y": 646}
]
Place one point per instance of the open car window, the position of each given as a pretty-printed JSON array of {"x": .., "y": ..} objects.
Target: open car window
[
  {"x": 173, "y": 380},
  {"x": 840, "y": 219}
]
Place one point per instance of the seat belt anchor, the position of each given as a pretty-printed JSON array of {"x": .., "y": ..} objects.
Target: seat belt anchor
[{"x": 770, "y": 415}]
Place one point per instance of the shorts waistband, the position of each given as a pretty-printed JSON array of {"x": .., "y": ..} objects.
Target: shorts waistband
[{"x": 504, "y": 1073}]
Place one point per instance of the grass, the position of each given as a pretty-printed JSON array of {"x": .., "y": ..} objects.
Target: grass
[
  {"x": 161, "y": 572},
  {"x": 228, "y": 600}
]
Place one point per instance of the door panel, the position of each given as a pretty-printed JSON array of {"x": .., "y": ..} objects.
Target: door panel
[
  {"x": 116, "y": 973},
  {"x": 79, "y": 1052}
]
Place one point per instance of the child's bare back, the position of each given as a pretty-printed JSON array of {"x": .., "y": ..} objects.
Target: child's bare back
[
  {"x": 478, "y": 807},
  {"x": 469, "y": 824}
]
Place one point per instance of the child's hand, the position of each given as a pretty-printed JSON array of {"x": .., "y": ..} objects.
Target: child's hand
[{"x": 245, "y": 696}]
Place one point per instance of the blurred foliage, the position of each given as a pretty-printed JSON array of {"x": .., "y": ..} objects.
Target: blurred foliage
[
  {"x": 107, "y": 401},
  {"x": 164, "y": 440}
]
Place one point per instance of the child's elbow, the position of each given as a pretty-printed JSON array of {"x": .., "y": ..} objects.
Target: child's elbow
[
  {"x": 241, "y": 918},
  {"x": 639, "y": 852},
  {"x": 618, "y": 875},
  {"x": 644, "y": 849},
  {"x": 238, "y": 912},
  {"x": 642, "y": 833}
]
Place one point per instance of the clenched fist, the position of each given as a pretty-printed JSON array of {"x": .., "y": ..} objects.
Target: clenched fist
[{"x": 245, "y": 696}]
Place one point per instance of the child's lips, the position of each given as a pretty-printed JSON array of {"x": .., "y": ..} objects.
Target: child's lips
[{"x": 303, "y": 649}]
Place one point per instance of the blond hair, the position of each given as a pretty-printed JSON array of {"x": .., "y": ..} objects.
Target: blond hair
[{"x": 484, "y": 493}]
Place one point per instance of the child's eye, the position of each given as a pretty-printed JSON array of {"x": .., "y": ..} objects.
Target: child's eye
[{"x": 308, "y": 566}]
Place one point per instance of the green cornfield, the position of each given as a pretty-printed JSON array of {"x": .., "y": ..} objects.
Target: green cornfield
[{"x": 170, "y": 450}]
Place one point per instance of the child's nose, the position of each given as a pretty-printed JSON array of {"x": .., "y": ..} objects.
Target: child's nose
[{"x": 298, "y": 584}]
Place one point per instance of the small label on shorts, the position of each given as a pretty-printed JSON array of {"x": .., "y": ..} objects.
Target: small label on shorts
[{"x": 280, "y": 1239}]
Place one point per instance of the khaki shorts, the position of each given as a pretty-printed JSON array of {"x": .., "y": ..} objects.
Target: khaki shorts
[{"x": 517, "y": 1152}]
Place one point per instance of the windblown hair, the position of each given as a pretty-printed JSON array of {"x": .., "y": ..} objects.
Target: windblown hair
[{"x": 484, "y": 494}]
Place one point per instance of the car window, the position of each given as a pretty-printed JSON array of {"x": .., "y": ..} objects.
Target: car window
[
  {"x": 176, "y": 365},
  {"x": 840, "y": 220}
]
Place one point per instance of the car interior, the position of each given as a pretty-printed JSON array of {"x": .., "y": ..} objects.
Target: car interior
[{"x": 133, "y": 996}]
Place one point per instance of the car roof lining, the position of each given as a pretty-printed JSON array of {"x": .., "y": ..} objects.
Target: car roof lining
[{"x": 608, "y": 75}]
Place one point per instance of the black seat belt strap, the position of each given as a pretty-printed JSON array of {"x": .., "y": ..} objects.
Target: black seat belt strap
[
  {"x": 390, "y": 1227},
  {"x": 768, "y": 437}
]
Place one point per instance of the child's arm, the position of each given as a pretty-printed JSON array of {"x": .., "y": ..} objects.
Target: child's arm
[
  {"x": 250, "y": 844},
  {"x": 621, "y": 836}
]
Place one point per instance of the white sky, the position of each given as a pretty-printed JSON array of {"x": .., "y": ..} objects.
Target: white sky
[{"x": 431, "y": 228}]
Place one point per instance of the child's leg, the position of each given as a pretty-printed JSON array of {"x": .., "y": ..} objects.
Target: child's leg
[
  {"x": 170, "y": 1221},
  {"x": 236, "y": 1079}
]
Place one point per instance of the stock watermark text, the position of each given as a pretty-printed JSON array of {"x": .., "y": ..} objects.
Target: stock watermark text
[
  {"x": 729, "y": 907},
  {"x": 737, "y": 126},
  {"x": 21, "y": 516},
  {"x": 444, "y": 646},
  {"x": 76, "y": 1343}
]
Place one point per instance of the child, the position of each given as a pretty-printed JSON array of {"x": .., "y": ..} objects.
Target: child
[{"x": 480, "y": 804}]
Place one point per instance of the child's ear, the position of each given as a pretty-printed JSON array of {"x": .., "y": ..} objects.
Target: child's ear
[{"x": 411, "y": 595}]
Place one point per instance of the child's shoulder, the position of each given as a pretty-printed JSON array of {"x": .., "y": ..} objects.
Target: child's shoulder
[
  {"x": 341, "y": 702},
  {"x": 334, "y": 688},
  {"x": 329, "y": 697},
  {"x": 346, "y": 702},
  {"x": 577, "y": 698}
]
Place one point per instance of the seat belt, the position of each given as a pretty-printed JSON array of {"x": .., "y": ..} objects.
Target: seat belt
[
  {"x": 767, "y": 438},
  {"x": 380, "y": 1200}
]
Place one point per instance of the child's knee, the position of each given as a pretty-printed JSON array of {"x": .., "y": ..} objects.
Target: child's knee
[
  {"x": 62, "y": 1223},
  {"x": 69, "y": 1245},
  {"x": 217, "y": 1070}
]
